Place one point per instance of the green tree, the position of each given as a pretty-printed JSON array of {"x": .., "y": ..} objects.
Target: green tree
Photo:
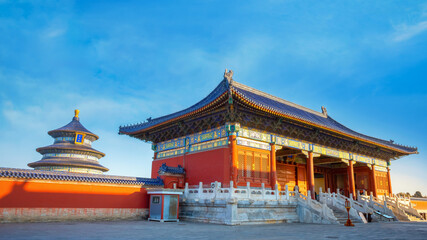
[{"x": 418, "y": 194}]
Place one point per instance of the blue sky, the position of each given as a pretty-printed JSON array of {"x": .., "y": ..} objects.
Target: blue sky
[{"x": 122, "y": 62}]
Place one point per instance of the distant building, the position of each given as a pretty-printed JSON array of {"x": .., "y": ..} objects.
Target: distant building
[{"x": 71, "y": 151}]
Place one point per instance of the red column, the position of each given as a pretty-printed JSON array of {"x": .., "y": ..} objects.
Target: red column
[
  {"x": 234, "y": 166},
  {"x": 374, "y": 181},
  {"x": 310, "y": 174},
  {"x": 389, "y": 182},
  {"x": 273, "y": 174},
  {"x": 350, "y": 174}
]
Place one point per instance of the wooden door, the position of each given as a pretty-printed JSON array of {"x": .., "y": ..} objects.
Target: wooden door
[
  {"x": 286, "y": 175},
  {"x": 302, "y": 179},
  {"x": 362, "y": 182}
]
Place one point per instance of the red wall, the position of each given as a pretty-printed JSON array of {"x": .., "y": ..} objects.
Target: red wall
[
  {"x": 56, "y": 194},
  {"x": 207, "y": 166},
  {"x": 171, "y": 162},
  {"x": 420, "y": 205}
]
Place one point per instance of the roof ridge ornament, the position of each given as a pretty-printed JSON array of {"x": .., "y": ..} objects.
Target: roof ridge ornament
[
  {"x": 324, "y": 111},
  {"x": 228, "y": 75},
  {"x": 76, "y": 114}
]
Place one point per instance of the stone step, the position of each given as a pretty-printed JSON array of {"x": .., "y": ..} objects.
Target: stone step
[
  {"x": 343, "y": 216},
  {"x": 413, "y": 218}
]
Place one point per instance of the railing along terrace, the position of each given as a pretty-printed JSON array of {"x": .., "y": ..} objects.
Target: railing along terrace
[
  {"x": 217, "y": 191},
  {"x": 338, "y": 200},
  {"x": 402, "y": 205},
  {"x": 211, "y": 193}
]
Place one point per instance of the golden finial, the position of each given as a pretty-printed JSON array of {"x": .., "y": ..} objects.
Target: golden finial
[{"x": 76, "y": 113}]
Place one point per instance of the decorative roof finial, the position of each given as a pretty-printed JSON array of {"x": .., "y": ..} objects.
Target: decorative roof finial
[
  {"x": 228, "y": 75},
  {"x": 324, "y": 111},
  {"x": 76, "y": 113}
]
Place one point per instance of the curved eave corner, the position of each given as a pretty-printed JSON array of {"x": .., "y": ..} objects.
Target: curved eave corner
[{"x": 213, "y": 98}]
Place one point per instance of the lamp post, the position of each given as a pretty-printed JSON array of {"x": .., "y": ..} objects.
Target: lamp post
[{"x": 348, "y": 206}]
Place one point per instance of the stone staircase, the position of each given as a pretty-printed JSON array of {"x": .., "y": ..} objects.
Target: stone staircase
[
  {"x": 342, "y": 216},
  {"x": 414, "y": 218}
]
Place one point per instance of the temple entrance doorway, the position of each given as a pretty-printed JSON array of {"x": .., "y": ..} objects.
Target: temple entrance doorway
[
  {"x": 341, "y": 180},
  {"x": 286, "y": 175},
  {"x": 362, "y": 182},
  {"x": 319, "y": 182}
]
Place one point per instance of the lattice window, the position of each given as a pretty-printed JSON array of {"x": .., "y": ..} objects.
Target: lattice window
[
  {"x": 257, "y": 165},
  {"x": 253, "y": 165},
  {"x": 249, "y": 164},
  {"x": 265, "y": 163},
  {"x": 241, "y": 164}
]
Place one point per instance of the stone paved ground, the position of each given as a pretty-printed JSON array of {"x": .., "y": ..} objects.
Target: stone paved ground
[{"x": 187, "y": 230}]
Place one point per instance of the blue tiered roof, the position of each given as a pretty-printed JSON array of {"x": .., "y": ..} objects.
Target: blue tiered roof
[
  {"x": 74, "y": 126},
  {"x": 68, "y": 155},
  {"x": 269, "y": 104}
]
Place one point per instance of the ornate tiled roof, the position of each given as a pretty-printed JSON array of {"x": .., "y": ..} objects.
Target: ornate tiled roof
[
  {"x": 77, "y": 177},
  {"x": 68, "y": 146},
  {"x": 73, "y": 126},
  {"x": 215, "y": 94},
  {"x": 72, "y": 162},
  {"x": 173, "y": 170},
  {"x": 277, "y": 105},
  {"x": 270, "y": 104}
]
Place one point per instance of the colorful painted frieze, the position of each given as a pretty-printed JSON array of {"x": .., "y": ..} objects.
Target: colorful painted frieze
[
  {"x": 253, "y": 134},
  {"x": 207, "y": 135},
  {"x": 171, "y": 144},
  {"x": 288, "y": 142},
  {"x": 253, "y": 143},
  {"x": 170, "y": 153},
  {"x": 381, "y": 163},
  {"x": 381, "y": 169},
  {"x": 331, "y": 152},
  {"x": 363, "y": 159},
  {"x": 209, "y": 145}
]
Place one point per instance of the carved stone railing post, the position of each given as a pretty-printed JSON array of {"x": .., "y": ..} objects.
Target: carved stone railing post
[
  {"x": 276, "y": 191},
  {"x": 324, "y": 207},
  {"x": 263, "y": 191},
  {"x": 365, "y": 206},
  {"x": 296, "y": 191},
  {"x": 320, "y": 194},
  {"x": 231, "y": 194},
  {"x": 186, "y": 190},
  {"x": 200, "y": 190},
  {"x": 216, "y": 189},
  {"x": 287, "y": 192},
  {"x": 248, "y": 189},
  {"x": 334, "y": 199}
]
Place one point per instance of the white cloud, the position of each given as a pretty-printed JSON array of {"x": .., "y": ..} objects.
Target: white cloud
[
  {"x": 52, "y": 33},
  {"x": 405, "y": 32}
]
